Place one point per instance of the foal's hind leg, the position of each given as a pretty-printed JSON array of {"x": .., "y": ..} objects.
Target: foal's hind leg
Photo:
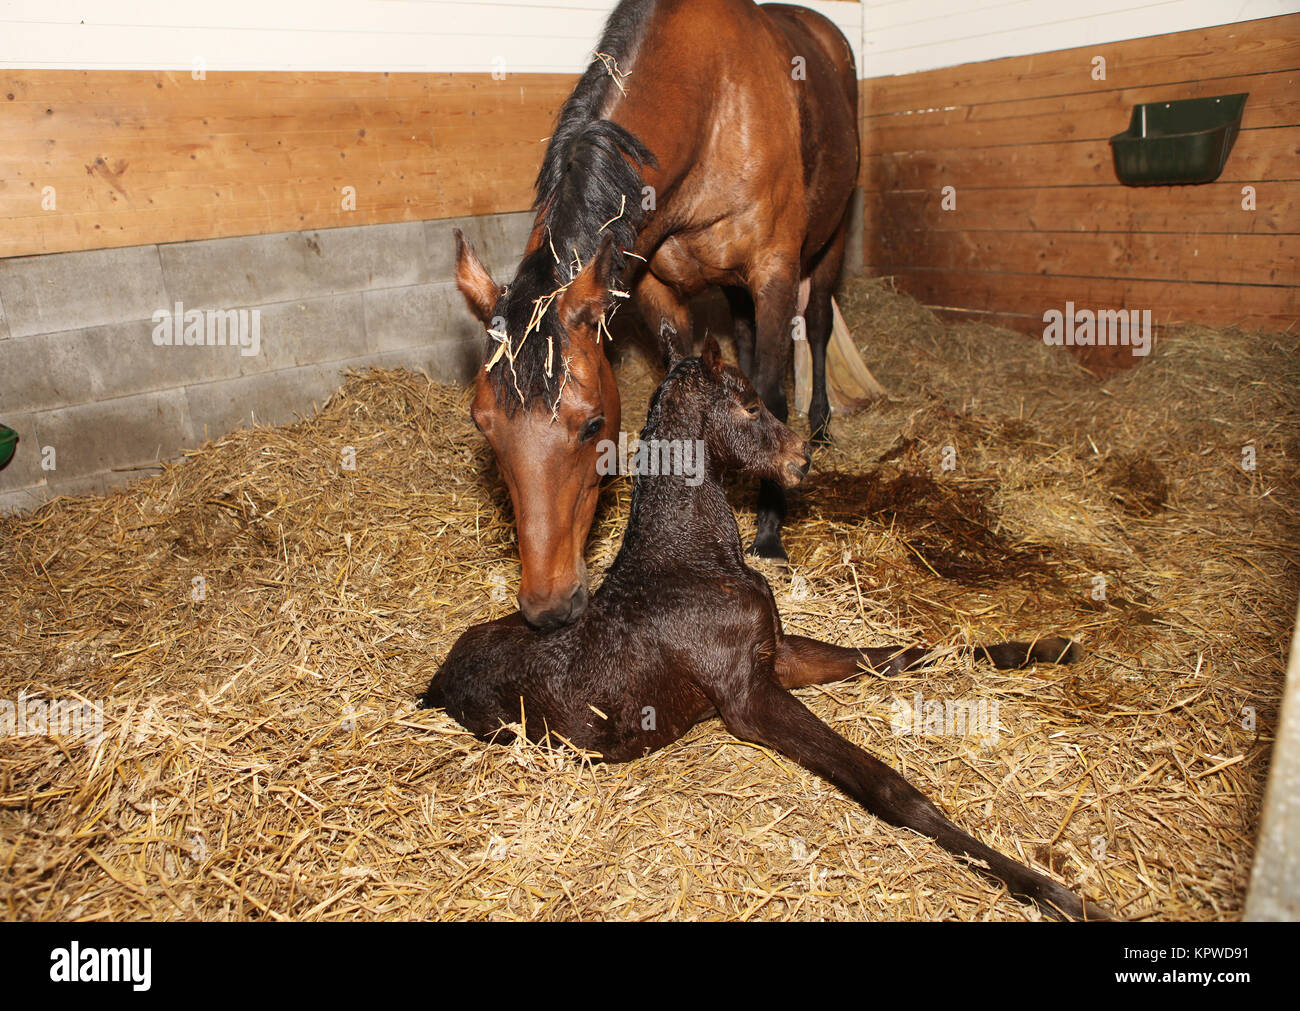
[
  {"x": 801, "y": 661},
  {"x": 765, "y": 713}
]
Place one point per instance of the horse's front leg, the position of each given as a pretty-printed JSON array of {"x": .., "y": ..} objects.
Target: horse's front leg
[
  {"x": 775, "y": 294},
  {"x": 665, "y": 312},
  {"x": 820, "y": 317},
  {"x": 742, "y": 323}
]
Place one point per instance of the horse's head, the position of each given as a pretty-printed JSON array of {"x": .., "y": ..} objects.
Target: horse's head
[{"x": 545, "y": 403}]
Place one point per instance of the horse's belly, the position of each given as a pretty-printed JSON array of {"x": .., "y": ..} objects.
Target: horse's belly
[{"x": 718, "y": 255}]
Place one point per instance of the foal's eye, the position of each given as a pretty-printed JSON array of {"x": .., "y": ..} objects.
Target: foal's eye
[
  {"x": 752, "y": 409},
  {"x": 591, "y": 429}
]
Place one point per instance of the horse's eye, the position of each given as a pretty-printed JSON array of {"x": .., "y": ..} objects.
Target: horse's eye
[
  {"x": 752, "y": 409},
  {"x": 591, "y": 429}
]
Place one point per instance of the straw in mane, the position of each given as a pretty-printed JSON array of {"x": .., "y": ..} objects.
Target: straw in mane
[{"x": 589, "y": 186}]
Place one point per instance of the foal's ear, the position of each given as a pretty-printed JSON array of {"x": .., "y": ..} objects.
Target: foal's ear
[
  {"x": 587, "y": 297},
  {"x": 668, "y": 344},
  {"x": 473, "y": 280},
  {"x": 711, "y": 356}
]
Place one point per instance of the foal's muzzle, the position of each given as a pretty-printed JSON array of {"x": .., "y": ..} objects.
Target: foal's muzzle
[{"x": 796, "y": 470}]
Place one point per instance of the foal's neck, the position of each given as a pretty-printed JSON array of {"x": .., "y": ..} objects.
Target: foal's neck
[{"x": 675, "y": 525}]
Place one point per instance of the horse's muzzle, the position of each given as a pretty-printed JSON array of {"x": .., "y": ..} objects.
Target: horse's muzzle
[{"x": 545, "y": 615}]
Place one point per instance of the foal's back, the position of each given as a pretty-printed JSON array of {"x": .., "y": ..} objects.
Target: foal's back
[{"x": 621, "y": 681}]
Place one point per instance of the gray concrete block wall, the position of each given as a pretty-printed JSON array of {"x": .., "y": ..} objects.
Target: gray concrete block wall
[
  {"x": 81, "y": 375},
  {"x": 72, "y": 291},
  {"x": 79, "y": 371}
]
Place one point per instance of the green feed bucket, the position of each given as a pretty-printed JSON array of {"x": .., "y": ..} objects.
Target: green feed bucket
[
  {"x": 1178, "y": 143},
  {"x": 8, "y": 443}
]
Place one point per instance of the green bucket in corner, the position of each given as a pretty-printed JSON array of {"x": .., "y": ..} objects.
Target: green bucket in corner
[{"x": 8, "y": 442}]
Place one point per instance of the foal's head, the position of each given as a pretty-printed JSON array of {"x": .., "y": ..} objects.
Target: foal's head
[{"x": 705, "y": 398}]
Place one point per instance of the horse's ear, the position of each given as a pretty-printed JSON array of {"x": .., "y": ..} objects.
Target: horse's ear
[
  {"x": 668, "y": 344},
  {"x": 473, "y": 280},
  {"x": 587, "y": 297},
  {"x": 711, "y": 356}
]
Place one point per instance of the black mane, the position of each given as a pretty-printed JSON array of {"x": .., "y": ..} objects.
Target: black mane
[{"x": 589, "y": 185}]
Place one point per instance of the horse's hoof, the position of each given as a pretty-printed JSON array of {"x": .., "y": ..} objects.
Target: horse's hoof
[
  {"x": 769, "y": 546},
  {"x": 821, "y": 437}
]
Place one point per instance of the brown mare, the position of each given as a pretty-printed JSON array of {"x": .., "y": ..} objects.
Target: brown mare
[
  {"x": 711, "y": 142},
  {"x": 682, "y": 629}
]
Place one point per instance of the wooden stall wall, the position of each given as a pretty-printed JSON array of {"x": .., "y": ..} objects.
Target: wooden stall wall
[{"x": 1037, "y": 216}]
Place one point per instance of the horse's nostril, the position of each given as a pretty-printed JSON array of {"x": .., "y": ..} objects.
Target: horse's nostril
[
  {"x": 577, "y": 602},
  {"x": 550, "y": 614}
]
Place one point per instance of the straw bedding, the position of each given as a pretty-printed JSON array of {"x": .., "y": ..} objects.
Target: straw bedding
[{"x": 262, "y": 757}]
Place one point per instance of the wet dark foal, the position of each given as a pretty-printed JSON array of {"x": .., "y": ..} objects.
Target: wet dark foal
[{"x": 682, "y": 629}]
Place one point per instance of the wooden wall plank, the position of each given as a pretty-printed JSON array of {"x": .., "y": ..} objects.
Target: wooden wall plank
[
  {"x": 158, "y": 157},
  {"x": 1258, "y": 155},
  {"x": 1212, "y": 208},
  {"x": 1028, "y": 296},
  {"x": 1058, "y": 118},
  {"x": 1267, "y": 44},
  {"x": 76, "y": 86},
  {"x": 1211, "y": 259}
]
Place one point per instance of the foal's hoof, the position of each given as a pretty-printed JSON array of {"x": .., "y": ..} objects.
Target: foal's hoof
[{"x": 769, "y": 546}]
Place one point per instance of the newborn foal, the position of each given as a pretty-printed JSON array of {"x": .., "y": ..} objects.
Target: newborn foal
[{"x": 682, "y": 629}]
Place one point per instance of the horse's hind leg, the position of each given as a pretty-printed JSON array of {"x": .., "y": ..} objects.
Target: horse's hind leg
[
  {"x": 767, "y": 714},
  {"x": 801, "y": 661},
  {"x": 819, "y": 318}
]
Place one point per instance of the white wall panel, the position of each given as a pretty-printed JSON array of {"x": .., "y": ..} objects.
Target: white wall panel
[{"x": 531, "y": 36}]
